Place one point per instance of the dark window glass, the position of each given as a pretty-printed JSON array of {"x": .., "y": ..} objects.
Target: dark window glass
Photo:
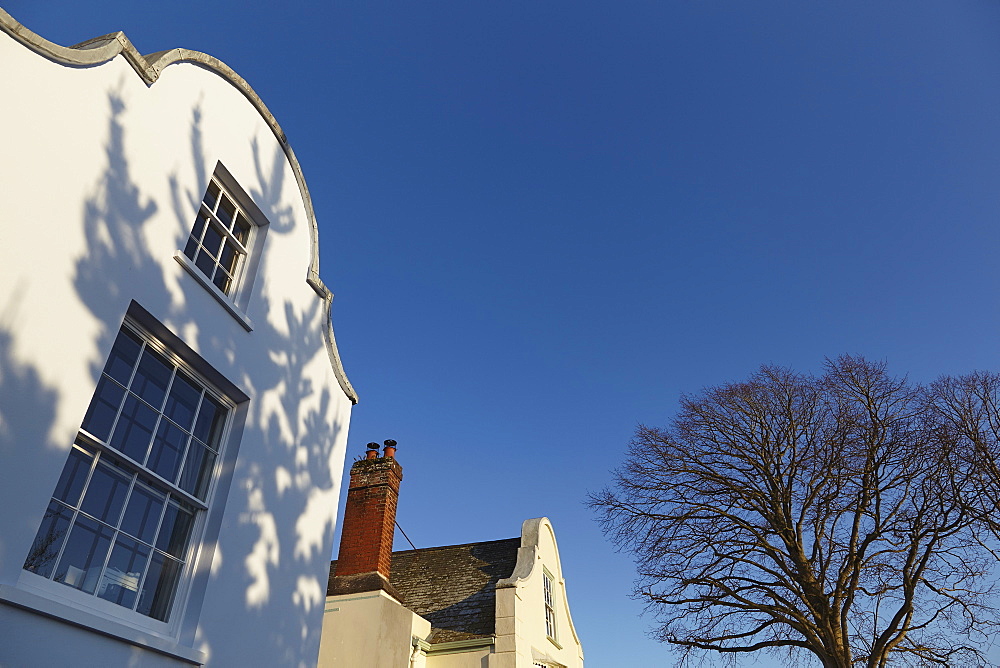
[
  {"x": 123, "y": 356},
  {"x": 74, "y": 476},
  {"x": 226, "y": 211},
  {"x": 206, "y": 263},
  {"x": 241, "y": 229},
  {"x": 228, "y": 259},
  {"x": 49, "y": 539},
  {"x": 135, "y": 428},
  {"x": 213, "y": 241},
  {"x": 120, "y": 582},
  {"x": 142, "y": 515},
  {"x": 219, "y": 238},
  {"x": 168, "y": 448},
  {"x": 106, "y": 492},
  {"x": 174, "y": 531},
  {"x": 103, "y": 408},
  {"x": 151, "y": 378},
  {"x": 83, "y": 557},
  {"x": 222, "y": 280},
  {"x": 118, "y": 527},
  {"x": 212, "y": 195},
  {"x": 191, "y": 248},
  {"x": 182, "y": 401},
  {"x": 159, "y": 587},
  {"x": 208, "y": 428},
  {"x": 197, "y": 469}
]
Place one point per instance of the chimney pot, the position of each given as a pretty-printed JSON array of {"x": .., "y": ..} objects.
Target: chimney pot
[
  {"x": 390, "y": 448},
  {"x": 372, "y": 451}
]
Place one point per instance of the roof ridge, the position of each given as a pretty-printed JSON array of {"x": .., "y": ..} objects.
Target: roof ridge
[{"x": 444, "y": 547}]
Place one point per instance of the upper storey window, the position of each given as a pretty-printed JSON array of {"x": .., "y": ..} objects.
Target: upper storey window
[
  {"x": 220, "y": 238},
  {"x": 223, "y": 249},
  {"x": 550, "y": 608}
]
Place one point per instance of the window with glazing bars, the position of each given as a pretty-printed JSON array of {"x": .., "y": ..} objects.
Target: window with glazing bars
[
  {"x": 220, "y": 238},
  {"x": 550, "y": 611},
  {"x": 120, "y": 521}
]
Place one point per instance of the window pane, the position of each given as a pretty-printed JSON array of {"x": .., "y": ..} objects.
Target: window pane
[
  {"x": 206, "y": 263},
  {"x": 208, "y": 428},
  {"x": 135, "y": 428},
  {"x": 123, "y": 356},
  {"x": 83, "y": 558},
  {"x": 226, "y": 211},
  {"x": 241, "y": 229},
  {"x": 168, "y": 448},
  {"x": 120, "y": 583},
  {"x": 48, "y": 540},
  {"x": 106, "y": 493},
  {"x": 73, "y": 477},
  {"x": 229, "y": 256},
  {"x": 191, "y": 248},
  {"x": 212, "y": 195},
  {"x": 183, "y": 401},
  {"x": 103, "y": 408},
  {"x": 159, "y": 586},
  {"x": 199, "y": 225},
  {"x": 118, "y": 498},
  {"x": 152, "y": 378},
  {"x": 222, "y": 280},
  {"x": 213, "y": 241},
  {"x": 177, "y": 523},
  {"x": 197, "y": 469},
  {"x": 142, "y": 515}
]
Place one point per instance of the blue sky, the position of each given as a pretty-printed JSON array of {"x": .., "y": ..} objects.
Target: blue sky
[{"x": 544, "y": 221}]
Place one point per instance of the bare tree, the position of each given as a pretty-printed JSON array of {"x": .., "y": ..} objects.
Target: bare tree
[{"x": 844, "y": 517}]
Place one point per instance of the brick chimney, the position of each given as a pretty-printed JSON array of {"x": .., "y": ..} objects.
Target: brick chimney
[{"x": 369, "y": 523}]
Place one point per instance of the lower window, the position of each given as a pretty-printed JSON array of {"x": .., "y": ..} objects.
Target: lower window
[{"x": 120, "y": 522}]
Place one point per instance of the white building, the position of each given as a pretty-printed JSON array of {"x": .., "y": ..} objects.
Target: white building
[
  {"x": 494, "y": 604},
  {"x": 173, "y": 412}
]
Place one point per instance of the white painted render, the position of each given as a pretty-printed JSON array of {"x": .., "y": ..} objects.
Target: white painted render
[{"x": 101, "y": 175}]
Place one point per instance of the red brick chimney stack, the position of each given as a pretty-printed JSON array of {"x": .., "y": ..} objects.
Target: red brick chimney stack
[{"x": 369, "y": 522}]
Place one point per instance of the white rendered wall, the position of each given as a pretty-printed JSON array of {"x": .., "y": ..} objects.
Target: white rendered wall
[{"x": 101, "y": 177}]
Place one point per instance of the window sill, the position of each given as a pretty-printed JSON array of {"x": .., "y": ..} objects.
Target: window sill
[
  {"x": 86, "y": 620},
  {"x": 219, "y": 295}
]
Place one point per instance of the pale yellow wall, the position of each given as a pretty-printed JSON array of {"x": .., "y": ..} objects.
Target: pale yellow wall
[
  {"x": 372, "y": 630},
  {"x": 478, "y": 658},
  {"x": 369, "y": 630},
  {"x": 521, "y": 635}
]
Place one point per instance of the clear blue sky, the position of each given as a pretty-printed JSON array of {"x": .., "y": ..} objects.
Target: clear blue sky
[{"x": 545, "y": 220}]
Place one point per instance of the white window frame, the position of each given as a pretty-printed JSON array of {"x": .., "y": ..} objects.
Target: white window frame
[
  {"x": 60, "y": 601},
  {"x": 549, "y": 603},
  {"x": 236, "y": 299}
]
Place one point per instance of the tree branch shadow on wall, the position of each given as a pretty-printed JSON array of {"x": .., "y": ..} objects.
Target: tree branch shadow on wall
[
  {"x": 23, "y": 393},
  {"x": 282, "y": 493}
]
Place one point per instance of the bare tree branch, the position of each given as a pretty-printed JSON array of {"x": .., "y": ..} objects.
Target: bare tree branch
[{"x": 851, "y": 517}]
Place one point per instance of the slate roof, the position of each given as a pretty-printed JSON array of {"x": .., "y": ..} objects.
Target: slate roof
[{"x": 454, "y": 587}]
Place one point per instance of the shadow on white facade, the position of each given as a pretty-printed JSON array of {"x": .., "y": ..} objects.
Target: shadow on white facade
[{"x": 173, "y": 410}]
